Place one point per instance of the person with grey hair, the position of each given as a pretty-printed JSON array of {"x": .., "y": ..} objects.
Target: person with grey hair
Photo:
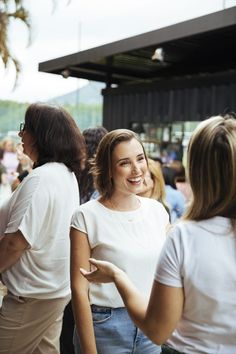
[
  {"x": 192, "y": 307},
  {"x": 34, "y": 226}
]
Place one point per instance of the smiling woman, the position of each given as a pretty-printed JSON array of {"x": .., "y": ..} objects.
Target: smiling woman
[{"x": 119, "y": 227}]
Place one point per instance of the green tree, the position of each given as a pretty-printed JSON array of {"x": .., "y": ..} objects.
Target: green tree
[{"x": 12, "y": 114}]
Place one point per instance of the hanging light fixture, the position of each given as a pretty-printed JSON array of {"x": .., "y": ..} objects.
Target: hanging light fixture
[
  {"x": 65, "y": 73},
  {"x": 158, "y": 55}
]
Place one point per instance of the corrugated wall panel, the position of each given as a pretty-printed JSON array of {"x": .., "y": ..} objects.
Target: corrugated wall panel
[{"x": 166, "y": 105}]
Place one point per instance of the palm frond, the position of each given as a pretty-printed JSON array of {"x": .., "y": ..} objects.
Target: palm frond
[{"x": 19, "y": 13}]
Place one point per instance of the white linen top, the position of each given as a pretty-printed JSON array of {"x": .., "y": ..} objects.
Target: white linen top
[
  {"x": 201, "y": 257},
  {"x": 41, "y": 208},
  {"x": 131, "y": 240}
]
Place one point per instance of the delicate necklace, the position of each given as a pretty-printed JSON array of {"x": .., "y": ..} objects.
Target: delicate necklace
[{"x": 114, "y": 206}]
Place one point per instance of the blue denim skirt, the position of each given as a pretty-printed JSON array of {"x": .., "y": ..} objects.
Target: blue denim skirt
[{"x": 115, "y": 333}]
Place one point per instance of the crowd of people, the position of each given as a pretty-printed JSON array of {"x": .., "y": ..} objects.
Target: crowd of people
[{"x": 144, "y": 250}]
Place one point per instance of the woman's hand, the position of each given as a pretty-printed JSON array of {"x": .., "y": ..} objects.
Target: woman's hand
[{"x": 102, "y": 272}]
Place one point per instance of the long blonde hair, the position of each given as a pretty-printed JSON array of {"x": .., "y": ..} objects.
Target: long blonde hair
[
  {"x": 212, "y": 169},
  {"x": 158, "y": 191}
]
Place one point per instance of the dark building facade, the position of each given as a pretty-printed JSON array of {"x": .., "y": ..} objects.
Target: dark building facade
[
  {"x": 177, "y": 100},
  {"x": 184, "y": 72}
]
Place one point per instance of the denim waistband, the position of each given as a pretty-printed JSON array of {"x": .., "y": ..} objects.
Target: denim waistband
[
  {"x": 103, "y": 309},
  {"x": 167, "y": 350}
]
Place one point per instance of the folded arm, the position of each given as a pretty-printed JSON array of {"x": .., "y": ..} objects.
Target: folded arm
[{"x": 12, "y": 247}]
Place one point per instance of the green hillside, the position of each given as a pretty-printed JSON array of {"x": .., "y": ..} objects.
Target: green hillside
[
  {"x": 86, "y": 115},
  {"x": 12, "y": 114},
  {"x": 88, "y": 94}
]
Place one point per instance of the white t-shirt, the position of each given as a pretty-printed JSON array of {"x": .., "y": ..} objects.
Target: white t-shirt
[
  {"x": 41, "y": 208},
  {"x": 132, "y": 240},
  {"x": 201, "y": 257}
]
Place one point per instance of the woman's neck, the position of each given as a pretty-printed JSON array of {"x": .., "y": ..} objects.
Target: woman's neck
[
  {"x": 122, "y": 202},
  {"x": 146, "y": 194}
]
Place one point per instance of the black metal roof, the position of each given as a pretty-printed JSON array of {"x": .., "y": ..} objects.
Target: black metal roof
[{"x": 200, "y": 46}]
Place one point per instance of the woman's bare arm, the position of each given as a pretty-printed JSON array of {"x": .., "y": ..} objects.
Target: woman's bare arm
[
  {"x": 80, "y": 253},
  {"x": 159, "y": 316}
]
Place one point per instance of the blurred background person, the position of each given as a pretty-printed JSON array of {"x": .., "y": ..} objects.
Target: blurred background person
[
  {"x": 175, "y": 199},
  {"x": 181, "y": 181},
  {"x": 5, "y": 188},
  {"x": 154, "y": 186},
  {"x": 92, "y": 138},
  {"x": 25, "y": 166},
  {"x": 9, "y": 158}
]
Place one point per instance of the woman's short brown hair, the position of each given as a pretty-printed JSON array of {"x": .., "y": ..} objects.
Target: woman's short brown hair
[{"x": 101, "y": 165}]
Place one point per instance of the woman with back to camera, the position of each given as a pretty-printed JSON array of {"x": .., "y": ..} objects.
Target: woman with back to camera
[
  {"x": 35, "y": 222},
  {"x": 193, "y": 305},
  {"x": 120, "y": 227}
]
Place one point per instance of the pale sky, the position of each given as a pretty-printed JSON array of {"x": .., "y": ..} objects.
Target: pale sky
[{"x": 80, "y": 25}]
